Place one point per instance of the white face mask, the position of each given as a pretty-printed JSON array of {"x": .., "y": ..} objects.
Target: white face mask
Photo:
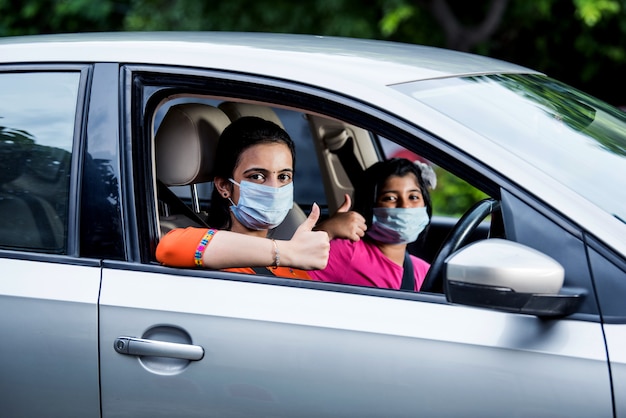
[
  {"x": 262, "y": 207},
  {"x": 398, "y": 225}
]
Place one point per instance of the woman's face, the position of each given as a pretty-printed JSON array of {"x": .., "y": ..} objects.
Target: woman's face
[
  {"x": 400, "y": 192},
  {"x": 269, "y": 164}
]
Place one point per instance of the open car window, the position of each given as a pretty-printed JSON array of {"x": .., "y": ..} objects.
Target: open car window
[
  {"x": 331, "y": 154},
  {"x": 346, "y": 138}
]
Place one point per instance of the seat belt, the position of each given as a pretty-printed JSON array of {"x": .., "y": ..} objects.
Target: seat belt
[
  {"x": 169, "y": 197},
  {"x": 408, "y": 276},
  {"x": 349, "y": 162},
  {"x": 263, "y": 271}
]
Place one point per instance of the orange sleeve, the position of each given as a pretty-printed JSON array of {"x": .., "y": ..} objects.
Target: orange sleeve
[
  {"x": 178, "y": 247},
  {"x": 291, "y": 273},
  {"x": 288, "y": 272},
  {"x": 246, "y": 270}
]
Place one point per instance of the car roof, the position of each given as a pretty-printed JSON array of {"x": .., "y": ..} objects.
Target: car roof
[{"x": 309, "y": 57}]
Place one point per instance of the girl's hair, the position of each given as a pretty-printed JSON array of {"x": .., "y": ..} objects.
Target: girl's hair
[
  {"x": 374, "y": 178},
  {"x": 234, "y": 140}
]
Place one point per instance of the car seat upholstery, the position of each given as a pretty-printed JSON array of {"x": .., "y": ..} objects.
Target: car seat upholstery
[
  {"x": 236, "y": 110},
  {"x": 28, "y": 220},
  {"x": 296, "y": 215},
  {"x": 185, "y": 145},
  {"x": 344, "y": 151}
]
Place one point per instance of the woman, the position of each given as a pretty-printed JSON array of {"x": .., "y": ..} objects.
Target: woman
[
  {"x": 394, "y": 200},
  {"x": 253, "y": 192}
]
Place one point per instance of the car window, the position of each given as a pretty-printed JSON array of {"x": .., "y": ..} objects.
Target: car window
[
  {"x": 37, "y": 113},
  {"x": 452, "y": 196}
]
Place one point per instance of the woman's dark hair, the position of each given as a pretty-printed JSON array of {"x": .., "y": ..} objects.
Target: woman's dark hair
[
  {"x": 234, "y": 140},
  {"x": 373, "y": 180}
]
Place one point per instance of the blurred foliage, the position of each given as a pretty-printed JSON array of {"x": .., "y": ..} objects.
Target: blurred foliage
[
  {"x": 453, "y": 196},
  {"x": 31, "y": 17},
  {"x": 581, "y": 42},
  {"x": 592, "y": 11}
]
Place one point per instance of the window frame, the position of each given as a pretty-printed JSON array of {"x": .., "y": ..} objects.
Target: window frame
[
  {"x": 151, "y": 84},
  {"x": 82, "y": 100}
]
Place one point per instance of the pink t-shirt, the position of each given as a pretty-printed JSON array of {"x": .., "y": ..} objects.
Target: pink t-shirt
[{"x": 362, "y": 263}]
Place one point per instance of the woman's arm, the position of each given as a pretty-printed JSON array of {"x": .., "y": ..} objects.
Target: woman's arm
[{"x": 307, "y": 249}]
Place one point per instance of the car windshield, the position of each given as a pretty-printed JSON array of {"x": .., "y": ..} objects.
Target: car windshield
[{"x": 576, "y": 139}]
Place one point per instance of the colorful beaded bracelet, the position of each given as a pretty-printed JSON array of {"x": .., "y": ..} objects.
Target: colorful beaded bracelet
[{"x": 204, "y": 242}]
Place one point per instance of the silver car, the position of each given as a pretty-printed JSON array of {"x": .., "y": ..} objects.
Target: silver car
[{"x": 524, "y": 314}]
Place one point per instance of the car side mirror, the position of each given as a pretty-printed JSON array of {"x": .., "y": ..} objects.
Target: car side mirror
[{"x": 508, "y": 276}]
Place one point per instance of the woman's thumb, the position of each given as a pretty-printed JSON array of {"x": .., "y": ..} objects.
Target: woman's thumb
[{"x": 310, "y": 222}]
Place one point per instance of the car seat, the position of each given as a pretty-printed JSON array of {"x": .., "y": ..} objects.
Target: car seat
[
  {"x": 344, "y": 151},
  {"x": 185, "y": 145}
]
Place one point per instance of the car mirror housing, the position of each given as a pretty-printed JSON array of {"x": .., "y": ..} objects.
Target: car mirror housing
[{"x": 508, "y": 276}]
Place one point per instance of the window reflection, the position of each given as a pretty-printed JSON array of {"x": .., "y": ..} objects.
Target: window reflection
[
  {"x": 37, "y": 112},
  {"x": 576, "y": 139}
]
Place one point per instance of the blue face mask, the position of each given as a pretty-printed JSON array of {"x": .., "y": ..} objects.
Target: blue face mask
[
  {"x": 398, "y": 225},
  {"x": 262, "y": 207}
]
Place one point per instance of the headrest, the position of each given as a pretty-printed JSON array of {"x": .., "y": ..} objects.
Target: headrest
[
  {"x": 185, "y": 143},
  {"x": 236, "y": 110}
]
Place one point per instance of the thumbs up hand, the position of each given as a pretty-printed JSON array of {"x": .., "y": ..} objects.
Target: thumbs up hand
[{"x": 308, "y": 249}]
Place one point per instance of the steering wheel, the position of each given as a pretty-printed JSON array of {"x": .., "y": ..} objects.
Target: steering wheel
[{"x": 433, "y": 282}]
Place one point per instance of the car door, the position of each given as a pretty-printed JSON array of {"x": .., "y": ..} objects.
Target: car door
[
  {"x": 48, "y": 295},
  {"x": 248, "y": 346},
  {"x": 610, "y": 272},
  {"x": 184, "y": 342}
]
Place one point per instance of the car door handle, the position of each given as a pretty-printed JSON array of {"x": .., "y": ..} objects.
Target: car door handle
[{"x": 141, "y": 347}]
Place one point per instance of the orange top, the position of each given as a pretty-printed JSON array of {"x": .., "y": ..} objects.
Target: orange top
[
  {"x": 276, "y": 271},
  {"x": 178, "y": 247}
]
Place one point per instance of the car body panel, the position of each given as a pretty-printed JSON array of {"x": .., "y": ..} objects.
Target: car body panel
[
  {"x": 616, "y": 341},
  {"x": 274, "y": 350},
  {"x": 49, "y": 347}
]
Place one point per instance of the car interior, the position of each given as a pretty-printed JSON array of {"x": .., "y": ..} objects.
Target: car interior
[{"x": 186, "y": 131}]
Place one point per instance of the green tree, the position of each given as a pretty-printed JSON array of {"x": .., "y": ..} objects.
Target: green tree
[
  {"x": 579, "y": 41},
  {"x": 31, "y": 17}
]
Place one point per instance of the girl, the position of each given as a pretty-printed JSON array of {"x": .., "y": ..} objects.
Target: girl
[{"x": 396, "y": 205}]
